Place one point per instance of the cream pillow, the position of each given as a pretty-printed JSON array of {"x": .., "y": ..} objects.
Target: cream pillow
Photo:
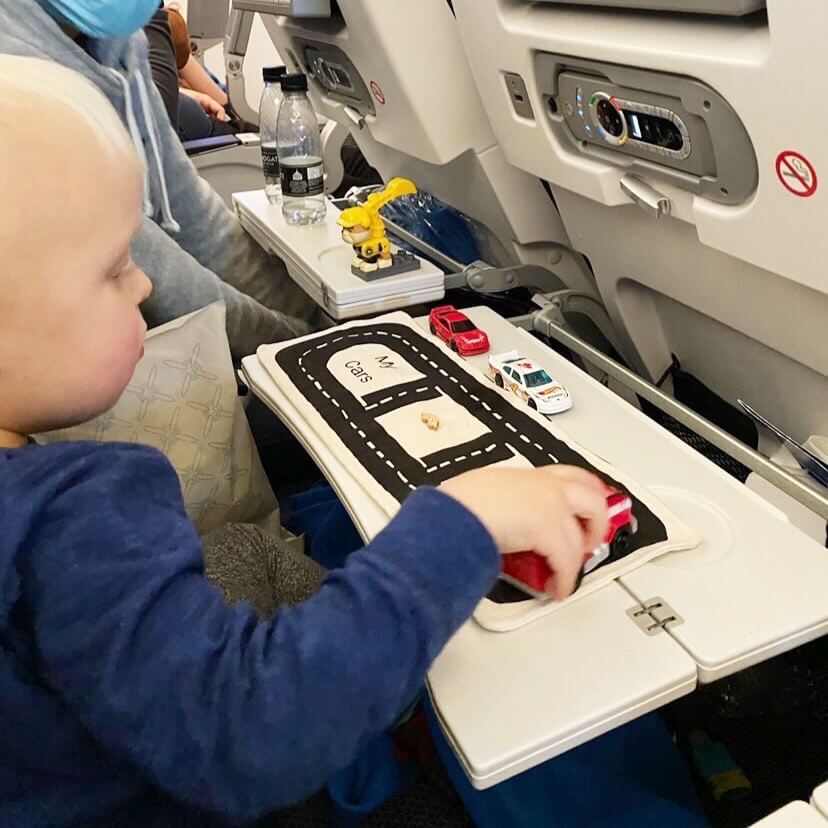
[{"x": 183, "y": 399}]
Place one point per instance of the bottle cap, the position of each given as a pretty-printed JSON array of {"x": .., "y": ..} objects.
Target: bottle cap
[
  {"x": 273, "y": 74},
  {"x": 296, "y": 82}
]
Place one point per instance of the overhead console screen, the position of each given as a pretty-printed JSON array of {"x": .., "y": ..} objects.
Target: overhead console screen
[
  {"x": 722, "y": 7},
  {"x": 675, "y": 126}
]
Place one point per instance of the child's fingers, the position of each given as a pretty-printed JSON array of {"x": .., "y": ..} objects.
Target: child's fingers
[
  {"x": 573, "y": 474},
  {"x": 591, "y": 509},
  {"x": 595, "y": 531},
  {"x": 563, "y": 551}
]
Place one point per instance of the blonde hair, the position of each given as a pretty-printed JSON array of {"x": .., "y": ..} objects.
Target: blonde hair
[{"x": 31, "y": 87}]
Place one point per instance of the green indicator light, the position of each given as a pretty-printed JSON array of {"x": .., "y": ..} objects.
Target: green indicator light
[{"x": 592, "y": 100}]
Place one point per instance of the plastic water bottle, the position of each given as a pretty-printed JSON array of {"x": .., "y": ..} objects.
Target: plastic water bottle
[
  {"x": 268, "y": 117},
  {"x": 300, "y": 154}
]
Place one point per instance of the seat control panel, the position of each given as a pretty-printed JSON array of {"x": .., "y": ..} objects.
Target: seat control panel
[
  {"x": 736, "y": 8},
  {"x": 655, "y": 127},
  {"x": 675, "y": 127},
  {"x": 336, "y": 74},
  {"x": 619, "y": 121}
]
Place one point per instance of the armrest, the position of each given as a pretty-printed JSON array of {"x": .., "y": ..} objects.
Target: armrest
[{"x": 203, "y": 145}]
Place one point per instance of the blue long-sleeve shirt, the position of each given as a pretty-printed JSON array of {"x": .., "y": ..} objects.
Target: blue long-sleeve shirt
[{"x": 124, "y": 676}]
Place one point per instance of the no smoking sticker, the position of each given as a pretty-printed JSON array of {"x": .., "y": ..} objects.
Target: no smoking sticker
[
  {"x": 377, "y": 92},
  {"x": 796, "y": 173}
]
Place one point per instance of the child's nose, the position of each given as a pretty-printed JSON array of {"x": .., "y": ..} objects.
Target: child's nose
[{"x": 144, "y": 286}]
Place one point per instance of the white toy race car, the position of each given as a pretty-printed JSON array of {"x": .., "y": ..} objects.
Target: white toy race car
[{"x": 527, "y": 380}]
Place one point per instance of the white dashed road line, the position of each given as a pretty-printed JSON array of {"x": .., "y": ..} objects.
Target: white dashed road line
[{"x": 461, "y": 458}]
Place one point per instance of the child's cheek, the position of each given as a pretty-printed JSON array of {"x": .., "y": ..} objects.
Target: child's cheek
[{"x": 130, "y": 349}]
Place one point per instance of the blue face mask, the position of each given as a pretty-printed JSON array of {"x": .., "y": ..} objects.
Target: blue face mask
[{"x": 102, "y": 19}]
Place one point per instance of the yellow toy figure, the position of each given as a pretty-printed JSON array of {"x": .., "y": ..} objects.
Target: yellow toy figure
[{"x": 364, "y": 228}]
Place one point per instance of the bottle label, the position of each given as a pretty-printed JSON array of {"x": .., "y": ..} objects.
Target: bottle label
[
  {"x": 270, "y": 162},
  {"x": 302, "y": 180}
]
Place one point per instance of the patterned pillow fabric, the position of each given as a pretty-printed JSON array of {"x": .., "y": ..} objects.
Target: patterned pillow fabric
[{"x": 183, "y": 399}]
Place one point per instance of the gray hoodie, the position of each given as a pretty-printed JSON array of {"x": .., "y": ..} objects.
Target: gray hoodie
[{"x": 190, "y": 245}]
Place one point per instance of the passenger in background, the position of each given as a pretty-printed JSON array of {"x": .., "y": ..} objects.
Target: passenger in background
[
  {"x": 194, "y": 247},
  {"x": 130, "y": 694},
  {"x": 197, "y": 106},
  {"x": 162, "y": 60}
]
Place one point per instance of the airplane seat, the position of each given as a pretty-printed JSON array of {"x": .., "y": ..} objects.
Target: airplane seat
[
  {"x": 228, "y": 163},
  {"x": 684, "y": 154},
  {"x": 207, "y": 25},
  {"x": 396, "y": 75}
]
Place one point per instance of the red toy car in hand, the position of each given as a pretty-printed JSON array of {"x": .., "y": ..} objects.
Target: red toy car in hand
[
  {"x": 529, "y": 571},
  {"x": 457, "y": 331}
]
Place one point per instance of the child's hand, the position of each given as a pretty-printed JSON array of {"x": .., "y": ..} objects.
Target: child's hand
[
  {"x": 211, "y": 108},
  {"x": 559, "y": 512}
]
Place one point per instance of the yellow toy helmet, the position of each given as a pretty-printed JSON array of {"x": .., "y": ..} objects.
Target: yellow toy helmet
[{"x": 354, "y": 216}]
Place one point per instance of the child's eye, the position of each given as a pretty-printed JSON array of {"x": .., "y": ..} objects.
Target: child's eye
[{"x": 122, "y": 267}]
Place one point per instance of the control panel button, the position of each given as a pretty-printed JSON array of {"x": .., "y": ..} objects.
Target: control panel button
[{"x": 608, "y": 119}]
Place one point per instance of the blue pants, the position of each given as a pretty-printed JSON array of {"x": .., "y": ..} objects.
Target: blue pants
[{"x": 632, "y": 777}]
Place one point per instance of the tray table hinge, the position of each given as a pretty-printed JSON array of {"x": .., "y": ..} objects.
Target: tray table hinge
[{"x": 654, "y": 616}]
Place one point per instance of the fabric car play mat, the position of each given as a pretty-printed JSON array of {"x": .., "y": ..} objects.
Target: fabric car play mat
[{"x": 399, "y": 410}]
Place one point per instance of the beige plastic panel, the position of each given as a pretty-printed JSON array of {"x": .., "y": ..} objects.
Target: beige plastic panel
[
  {"x": 510, "y": 701},
  {"x": 794, "y": 815},
  {"x": 748, "y": 333},
  {"x": 761, "y": 69},
  {"x": 739, "y": 292},
  {"x": 820, "y": 799}
]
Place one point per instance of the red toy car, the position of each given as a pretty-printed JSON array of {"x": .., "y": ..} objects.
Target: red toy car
[
  {"x": 457, "y": 331},
  {"x": 530, "y": 572}
]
